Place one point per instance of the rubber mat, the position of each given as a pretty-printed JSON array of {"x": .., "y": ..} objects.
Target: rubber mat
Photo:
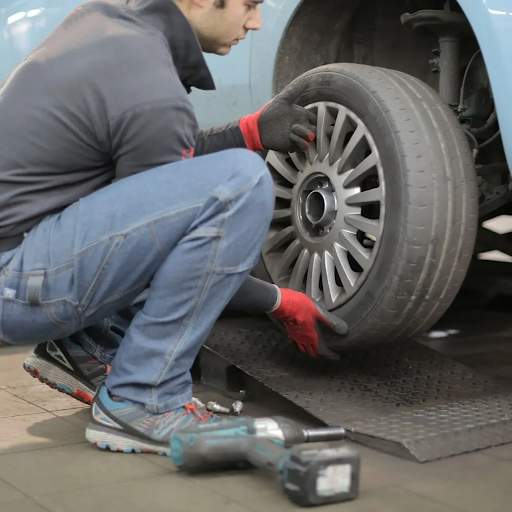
[{"x": 407, "y": 400}]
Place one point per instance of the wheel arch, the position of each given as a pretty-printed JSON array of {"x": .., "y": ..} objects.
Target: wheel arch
[
  {"x": 306, "y": 36},
  {"x": 363, "y": 32},
  {"x": 299, "y": 30}
]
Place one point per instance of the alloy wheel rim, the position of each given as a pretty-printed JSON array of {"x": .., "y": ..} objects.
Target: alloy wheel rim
[{"x": 330, "y": 210}]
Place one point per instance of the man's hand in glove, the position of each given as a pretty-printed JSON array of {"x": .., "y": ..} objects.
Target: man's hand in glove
[
  {"x": 280, "y": 125},
  {"x": 302, "y": 318}
]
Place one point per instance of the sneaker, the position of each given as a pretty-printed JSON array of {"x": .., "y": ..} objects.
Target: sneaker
[
  {"x": 122, "y": 426},
  {"x": 67, "y": 367}
]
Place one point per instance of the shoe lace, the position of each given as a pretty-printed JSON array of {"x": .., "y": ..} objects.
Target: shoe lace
[{"x": 195, "y": 410}]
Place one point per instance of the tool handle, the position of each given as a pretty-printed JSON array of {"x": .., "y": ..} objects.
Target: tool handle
[
  {"x": 265, "y": 454},
  {"x": 206, "y": 452}
]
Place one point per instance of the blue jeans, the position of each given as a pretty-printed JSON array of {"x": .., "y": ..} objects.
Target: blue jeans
[{"x": 191, "y": 231}]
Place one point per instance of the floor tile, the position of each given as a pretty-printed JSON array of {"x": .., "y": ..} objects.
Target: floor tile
[
  {"x": 258, "y": 490},
  {"x": 72, "y": 467},
  {"x": 16, "y": 377},
  {"x": 11, "y": 405},
  {"x": 13, "y": 356},
  {"x": 253, "y": 489},
  {"x": 482, "y": 488},
  {"x": 273, "y": 499},
  {"x": 78, "y": 417},
  {"x": 501, "y": 452},
  {"x": 168, "y": 493},
  {"x": 390, "y": 499},
  {"x": 12, "y": 373},
  {"x": 8, "y": 493},
  {"x": 47, "y": 398},
  {"x": 163, "y": 462},
  {"x": 24, "y": 505},
  {"x": 381, "y": 470},
  {"x": 35, "y": 431}
]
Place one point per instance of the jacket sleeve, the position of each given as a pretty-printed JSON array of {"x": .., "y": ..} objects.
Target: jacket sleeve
[
  {"x": 152, "y": 135},
  {"x": 220, "y": 138},
  {"x": 255, "y": 297},
  {"x": 242, "y": 134}
]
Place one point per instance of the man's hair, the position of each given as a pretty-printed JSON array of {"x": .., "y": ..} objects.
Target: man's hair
[{"x": 218, "y": 3}]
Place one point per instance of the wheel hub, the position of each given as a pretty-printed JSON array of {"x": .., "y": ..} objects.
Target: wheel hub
[{"x": 317, "y": 206}]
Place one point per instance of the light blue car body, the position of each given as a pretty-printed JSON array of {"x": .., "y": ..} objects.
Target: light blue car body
[{"x": 245, "y": 78}]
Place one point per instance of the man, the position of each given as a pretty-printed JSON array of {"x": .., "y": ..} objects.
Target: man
[{"x": 110, "y": 191}]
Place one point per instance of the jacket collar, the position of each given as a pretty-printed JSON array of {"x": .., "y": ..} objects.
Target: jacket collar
[{"x": 187, "y": 55}]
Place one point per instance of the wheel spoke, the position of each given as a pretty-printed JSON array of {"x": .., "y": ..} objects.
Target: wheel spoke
[
  {"x": 299, "y": 271},
  {"x": 279, "y": 163},
  {"x": 368, "y": 226},
  {"x": 284, "y": 214},
  {"x": 325, "y": 120},
  {"x": 289, "y": 256},
  {"x": 375, "y": 195},
  {"x": 341, "y": 129},
  {"x": 361, "y": 171},
  {"x": 299, "y": 160},
  {"x": 330, "y": 288},
  {"x": 275, "y": 241},
  {"x": 356, "y": 250},
  {"x": 311, "y": 153},
  {"x": 314, "y": 276},
  {"x": 346, "y": 158},
  {"x": 347, "y": 275},
  {"x": 283, "y": 192}
]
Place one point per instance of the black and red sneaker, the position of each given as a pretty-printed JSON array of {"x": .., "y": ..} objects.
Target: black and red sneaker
[{"x": 67, "y": 367}]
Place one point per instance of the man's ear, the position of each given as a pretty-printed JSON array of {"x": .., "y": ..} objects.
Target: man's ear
[
  {"x": 201, "y": 3},
  {"x": 187, "y": 5}
]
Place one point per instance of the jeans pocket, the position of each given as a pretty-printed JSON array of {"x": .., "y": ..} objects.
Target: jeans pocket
[
  {"x": 101, "y": 263},
  {"x": 5, "y": 259},
  {"x": 22, "y": 322}
]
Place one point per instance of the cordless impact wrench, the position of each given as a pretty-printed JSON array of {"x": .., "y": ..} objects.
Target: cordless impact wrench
[
  {"x": 310, "y": 474},
  {"x": 277, "y": 428}
]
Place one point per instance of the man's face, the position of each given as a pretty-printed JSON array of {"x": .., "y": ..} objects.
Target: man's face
[{"x": 219, "y": 29}]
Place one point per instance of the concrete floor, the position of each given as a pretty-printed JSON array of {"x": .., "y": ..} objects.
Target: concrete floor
[{"x": 46, "y": 465}]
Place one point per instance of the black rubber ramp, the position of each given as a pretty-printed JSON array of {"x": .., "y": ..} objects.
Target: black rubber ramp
[{"x": 407, "y": 400}]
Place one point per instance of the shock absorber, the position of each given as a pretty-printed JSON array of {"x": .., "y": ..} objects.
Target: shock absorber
[{"x": 449, "y": 27}]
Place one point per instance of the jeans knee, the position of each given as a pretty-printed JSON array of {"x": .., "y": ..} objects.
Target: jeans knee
[
  {"x": 266, "y": 195},
  {"x": 260, "y": 196},
  {"x": 246, "y": 163}
]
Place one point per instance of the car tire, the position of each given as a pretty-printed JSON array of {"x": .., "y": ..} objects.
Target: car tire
[{"x": 429, "y": 190}]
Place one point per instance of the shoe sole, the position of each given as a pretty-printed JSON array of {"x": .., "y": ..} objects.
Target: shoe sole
[
  {"x": 108, "y": 439},
  {"x": 58, "y": 379}
]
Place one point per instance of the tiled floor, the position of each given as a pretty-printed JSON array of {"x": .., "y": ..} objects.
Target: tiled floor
[{"x": 46, "y": 465}]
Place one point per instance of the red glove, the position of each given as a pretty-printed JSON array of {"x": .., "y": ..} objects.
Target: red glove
[
  {"x": 302, "y": 318},
  {"x": 281, "y": 125}
]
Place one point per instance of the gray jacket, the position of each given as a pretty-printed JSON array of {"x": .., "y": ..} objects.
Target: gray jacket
[{"x": 105, "y": 96}]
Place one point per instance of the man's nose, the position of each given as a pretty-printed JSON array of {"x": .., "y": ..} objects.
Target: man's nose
[{"x": 254, "y": 22}]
